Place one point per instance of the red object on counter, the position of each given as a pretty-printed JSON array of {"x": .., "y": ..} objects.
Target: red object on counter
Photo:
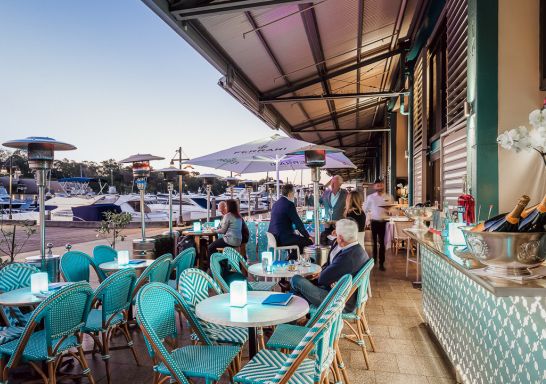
[{"x": 467, "y": 201}]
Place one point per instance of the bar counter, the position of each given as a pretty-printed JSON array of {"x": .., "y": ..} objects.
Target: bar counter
[{"x": 493, "y": 330}]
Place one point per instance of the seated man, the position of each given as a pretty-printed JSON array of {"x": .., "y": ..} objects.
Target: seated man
[
  {"x": 283, "y": 217},
  {"x": 346, "y": 256}
]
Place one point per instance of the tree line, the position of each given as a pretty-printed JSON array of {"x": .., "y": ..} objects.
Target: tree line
[{"x": 109, "y": 171}]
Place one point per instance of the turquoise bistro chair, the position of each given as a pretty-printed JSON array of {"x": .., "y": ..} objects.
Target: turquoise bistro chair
[
  {"x": 238, "y": 262},
  {"x": 270, "y": 366},
  {"x": 62, "y": 314},
  {"x": 114, "y": 297},
  {"x": 103, "y": 254},
  {"x": 184, "y": 260},
  {"x": 156, "y": 318},
  {"x": 194, "y": 286},
  {"x": 287, "y": 336},
  {"x": 14, "y": 276},
  {"x": 76, "y": 265}
]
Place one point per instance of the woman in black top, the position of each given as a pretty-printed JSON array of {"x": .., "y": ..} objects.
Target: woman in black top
[{"x": 353, "y": 210}]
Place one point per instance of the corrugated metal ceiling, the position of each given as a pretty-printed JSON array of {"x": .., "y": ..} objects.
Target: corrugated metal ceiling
[{"x": 287, "y": 49}]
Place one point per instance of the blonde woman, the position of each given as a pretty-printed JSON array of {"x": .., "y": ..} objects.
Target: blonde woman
[{"x": 354, "y": 211}]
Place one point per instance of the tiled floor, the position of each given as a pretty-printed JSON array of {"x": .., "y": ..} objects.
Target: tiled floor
[{"x": 405, "y": 351}]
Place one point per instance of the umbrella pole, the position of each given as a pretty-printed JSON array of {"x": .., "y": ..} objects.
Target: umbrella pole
[
  {"x": 208, "y": 202},
  {"x": 277, "y": 160},
  {"x": 170, "y": 187},
  {"x": 315, "y": 176}
]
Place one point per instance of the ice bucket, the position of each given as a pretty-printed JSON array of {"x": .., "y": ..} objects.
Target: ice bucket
[{"x": 507, "y": 253}]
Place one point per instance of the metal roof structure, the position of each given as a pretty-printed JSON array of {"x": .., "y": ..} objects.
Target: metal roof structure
[{"x": 322, "y": 71}]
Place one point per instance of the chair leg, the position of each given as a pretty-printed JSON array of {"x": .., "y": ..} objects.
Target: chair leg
[
  {"x": 341, "y": 365},
  {"x": 130, "y": 343},
  {"x": 105, "y": 354},
  {"x": 367, "y": 330},
  {"x": 85, "y": 368},
  {"x": 51, "y": 372},
  {"x": 362, "y": 343}
]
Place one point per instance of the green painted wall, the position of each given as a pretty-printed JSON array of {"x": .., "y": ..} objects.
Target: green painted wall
[{"x": 482, "y": 94}]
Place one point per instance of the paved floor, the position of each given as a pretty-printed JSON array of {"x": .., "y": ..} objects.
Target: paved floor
[{"x": 405, "y": 351}]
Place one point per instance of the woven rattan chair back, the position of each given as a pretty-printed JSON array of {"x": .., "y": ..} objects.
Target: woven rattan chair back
[{"x": 75, "y": 266}]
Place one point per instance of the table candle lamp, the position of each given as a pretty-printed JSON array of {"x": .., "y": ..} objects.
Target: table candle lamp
[
  {"x": 197, "y": 226},
  {"x": 238, "y": 294},
  {"x": 216, "y": 223},
  {"x": 123, "y": 257},
  {"x": 267, "y": 261},
  {"x": 39, "y": 282}
]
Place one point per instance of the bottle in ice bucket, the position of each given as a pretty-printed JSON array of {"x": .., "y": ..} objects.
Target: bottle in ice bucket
[{"x": 466, "y": 205}]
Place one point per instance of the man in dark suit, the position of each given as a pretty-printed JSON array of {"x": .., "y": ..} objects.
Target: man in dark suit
[
  {"x": 346, "y": 257},
  {"x": 333, "y": 198},
  {"x": 284, "y": 217}
]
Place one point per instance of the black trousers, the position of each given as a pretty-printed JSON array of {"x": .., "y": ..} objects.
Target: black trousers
[
  {"x": 378, "y": 237},
  {"x": 294, "y": 239},
  {"x": 218, "y": 243}
]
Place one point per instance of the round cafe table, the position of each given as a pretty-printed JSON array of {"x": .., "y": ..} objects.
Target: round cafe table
[
  {"x": 254, "y": 315},
  {"x": 22, "y": 297},
  {"x": 113, "y": 266},
  {"x": 283, "y": 272}
]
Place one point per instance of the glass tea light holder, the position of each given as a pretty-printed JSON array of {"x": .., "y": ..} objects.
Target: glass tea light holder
[
  {"x": 309, "y": 215},
  {"x": 217, "y": 223},
  {"x": 197, "y": 226},
  {"x": 39, "y": 282},
  {"x": 267, "y": 261},
  {"x": 123, "y": 257},
  {"x": 238, "y": 294}
]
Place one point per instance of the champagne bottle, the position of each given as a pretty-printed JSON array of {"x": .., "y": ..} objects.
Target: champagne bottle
[
  {"x": 535, "y": 218},
  {"x": 510, "y": 222}
]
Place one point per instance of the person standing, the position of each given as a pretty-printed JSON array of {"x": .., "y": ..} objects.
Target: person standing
[
  {"x": 376, "y": 207},
  {"x": 284, "y": 217},
  {"x": 355, "y": 211},
  {"x": 333, "y": 199}
]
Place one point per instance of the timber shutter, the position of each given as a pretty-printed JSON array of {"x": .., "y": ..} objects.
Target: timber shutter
[
  {"x": 418, "y": 120},
  {"x": 454, "y": 155}
]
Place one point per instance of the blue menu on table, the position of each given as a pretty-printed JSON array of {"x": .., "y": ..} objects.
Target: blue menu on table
[
  {"x": 280, "y": 299},
  {"x": 136, "y": 261}
]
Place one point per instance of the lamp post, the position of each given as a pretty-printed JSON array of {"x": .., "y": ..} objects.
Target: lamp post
[
  {"x": 208, "y": 180},
  {"x": 315, "y": 158},
  {"x": 180, "y": 160},
  {"x": 169, "y": 174},
  {"x": 40, "y": 151},
  {"x": 141, "y": 172}
]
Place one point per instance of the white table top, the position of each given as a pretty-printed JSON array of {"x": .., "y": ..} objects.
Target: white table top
[
  {"x": 283, "y": 272},
  {"x": 39, "y": 257},
  {"x": 114, "y": 266},
  {"x": 19, "y": 298},
  {"x": 216, "y": 310}
]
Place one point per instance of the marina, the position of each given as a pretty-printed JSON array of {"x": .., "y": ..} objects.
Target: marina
[{"x": 273, "y": 192}]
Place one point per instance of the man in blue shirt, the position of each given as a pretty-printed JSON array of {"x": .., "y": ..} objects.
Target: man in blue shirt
[
  {"x": 346, "y": 257},
  {"x": 284, "y": 217}
]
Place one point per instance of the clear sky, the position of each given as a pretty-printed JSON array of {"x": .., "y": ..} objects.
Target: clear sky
[{"x": 110, "y": 77}]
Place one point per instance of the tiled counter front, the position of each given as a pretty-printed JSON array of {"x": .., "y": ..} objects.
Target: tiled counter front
[{"x": 488, "y": 339}]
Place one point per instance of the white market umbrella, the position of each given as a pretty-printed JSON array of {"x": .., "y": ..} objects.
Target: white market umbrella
[{"x": 267, "y": 154}]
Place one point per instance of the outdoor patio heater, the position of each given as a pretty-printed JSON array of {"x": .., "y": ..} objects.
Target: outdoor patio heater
[
  {"x": 40, "y": 152},
  {"x": 315, "y": 159},
  {"x": 170, "y": 174},
  {"x": 249, "y": 186},
  {"x": 208, "y": 180},
  {"x": 231, "y": 182},
  {"x": 141, "y": 172}
]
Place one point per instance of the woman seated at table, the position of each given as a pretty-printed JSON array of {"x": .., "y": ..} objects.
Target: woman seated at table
[
  {"x": 354, "y": 211},
  {"x": 231, "y": 227}
]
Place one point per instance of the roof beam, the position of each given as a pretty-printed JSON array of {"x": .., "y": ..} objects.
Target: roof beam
[
  {"x": 363, "y": 130},
  {"x": 334, "y": 96},
  {"x": 313, "y": 37},
  {"x": 316, "y": 80},
  {"x": 182, "y": 12},
  {"x": 342, "y": 113}
]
